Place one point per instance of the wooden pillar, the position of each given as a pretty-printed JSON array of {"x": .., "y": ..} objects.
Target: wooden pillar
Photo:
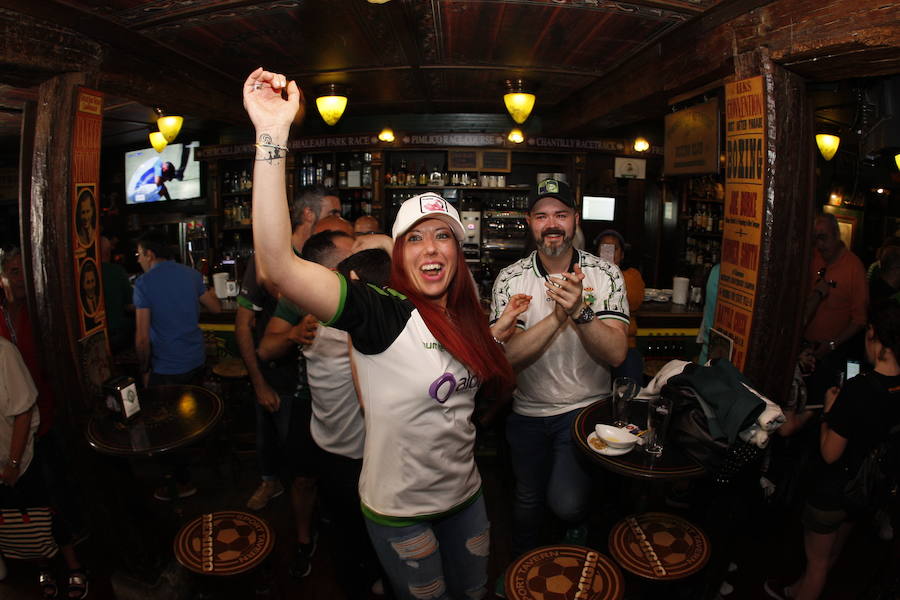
[
  {"x": 788, "y": 212},
  {"x": 46, "y": 235}
]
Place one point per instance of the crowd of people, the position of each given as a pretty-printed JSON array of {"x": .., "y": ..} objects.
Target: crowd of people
[{"x": 366, "y": 352}]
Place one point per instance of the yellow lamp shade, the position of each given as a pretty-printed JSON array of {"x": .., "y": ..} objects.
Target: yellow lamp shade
[
  {"x": 519, "y": 105},
  {"x": 170, "y": 126},
  {"x": 828, "y": 144},
  {"x": 331, "y": 108},
  {"x": 516, "y": 136},
  {"x": 897, "y": 160},
  {"x": 158, "y": 141},
  {"x": 641, "y": 144},
  {"x": 386, "y": 135}
]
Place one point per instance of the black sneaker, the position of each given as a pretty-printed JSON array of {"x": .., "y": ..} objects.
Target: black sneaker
[{"x": 301, "y": 566}]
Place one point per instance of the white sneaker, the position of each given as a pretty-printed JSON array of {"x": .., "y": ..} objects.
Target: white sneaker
[{"x": 268, "y": 489}]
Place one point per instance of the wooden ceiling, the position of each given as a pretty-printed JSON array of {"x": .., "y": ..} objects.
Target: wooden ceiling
[{"x": 406, "y": 56}]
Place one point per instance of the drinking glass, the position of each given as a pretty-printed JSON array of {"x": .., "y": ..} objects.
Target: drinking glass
[
  {"x": 624, "y": 390},
  {"x": 659, "y": 410}
]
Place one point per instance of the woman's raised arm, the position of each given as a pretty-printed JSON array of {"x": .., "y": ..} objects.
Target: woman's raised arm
[{"x": 273, "y": 104}]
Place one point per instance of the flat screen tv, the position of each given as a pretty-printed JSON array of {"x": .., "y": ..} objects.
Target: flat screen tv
[
  {"x": 598, "y": 208},
  {"x": 151, "y": 176}
]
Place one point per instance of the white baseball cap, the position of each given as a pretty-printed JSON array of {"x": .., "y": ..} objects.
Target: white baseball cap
[{"x": 427, "y": 206}]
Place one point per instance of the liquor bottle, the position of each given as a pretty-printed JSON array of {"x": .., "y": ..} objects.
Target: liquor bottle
[
  {"x": 342, "y": 175},
  {"x": 354, "y": 173},
  {"x": 402, "y": 173},
  {"x": 423, "y": 175},
  {"x": 367, "y": 170},
  {"x": 389, "y": 176},
  {"x": 436, "y": 178}
]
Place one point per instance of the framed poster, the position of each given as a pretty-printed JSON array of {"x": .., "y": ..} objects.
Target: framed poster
[
  {"x": 630, "y": 168},
  {"x": 692, "y": 140},
  {"x": 462, "y": 160}
]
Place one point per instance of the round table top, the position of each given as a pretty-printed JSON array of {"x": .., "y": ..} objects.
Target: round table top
[
  {"x": 673, "y": 464},
  {"x": 224, "y": 543},
  {"x": 171, "y": 416},
  {"x": 659, "y": 546},
  {"x": 555, "y": 572},
  {"x": 230, "y": 368}
]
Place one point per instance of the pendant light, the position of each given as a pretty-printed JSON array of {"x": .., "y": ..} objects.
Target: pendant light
[
  {"x": 516, "y": 136},
  {"x": 158, "y": 141},
  {"x": 897, "y": 160},
  {"x": 518, "y": 100},
  {"x": 331, "y": 103},
  {"x": 386, "y": 135},
  {"x": 169, "y": 125},
  {"x": 641, "y": 144},
  {"x": 828, "y": 144}
]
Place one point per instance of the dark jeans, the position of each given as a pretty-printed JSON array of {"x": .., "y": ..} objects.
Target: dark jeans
[
  {"x": 632, "y": 366},
  {"x": 548, "y": 471},
  {"x": 338, "y": 479},
  {"x": 177, "y": 463}
]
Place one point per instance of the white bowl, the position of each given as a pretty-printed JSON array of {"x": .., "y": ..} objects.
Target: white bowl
[{"x": 616, "y": 437}]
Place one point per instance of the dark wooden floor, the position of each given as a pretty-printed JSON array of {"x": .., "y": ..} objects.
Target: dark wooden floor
[{"x": 769, "y": 541}]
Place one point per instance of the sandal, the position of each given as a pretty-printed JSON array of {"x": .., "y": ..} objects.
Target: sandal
[
  {"x": 77, "y": 584},
  {"x": 49, "y": 589}
]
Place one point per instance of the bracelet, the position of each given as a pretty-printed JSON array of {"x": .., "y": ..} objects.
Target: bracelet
[{"x": 276, "y": 146}]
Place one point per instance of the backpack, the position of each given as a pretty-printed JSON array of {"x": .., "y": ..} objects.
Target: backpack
[{"x": 878, "y": 476}]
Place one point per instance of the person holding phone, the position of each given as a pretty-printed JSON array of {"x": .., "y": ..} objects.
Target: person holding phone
[{"x": 611, "y": 247}]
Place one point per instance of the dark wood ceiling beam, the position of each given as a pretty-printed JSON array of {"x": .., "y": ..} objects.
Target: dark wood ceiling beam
[
  {"x": 135, "y": 66},
  {"x": 704, "y": 49}
]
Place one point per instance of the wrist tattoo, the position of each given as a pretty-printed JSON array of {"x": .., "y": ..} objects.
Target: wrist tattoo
[{"x": 269, "y": 151}]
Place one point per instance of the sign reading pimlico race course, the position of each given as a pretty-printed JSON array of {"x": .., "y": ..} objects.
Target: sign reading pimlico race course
[{"x": 745, "y": 144}]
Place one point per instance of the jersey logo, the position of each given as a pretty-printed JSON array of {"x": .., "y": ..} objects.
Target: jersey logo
[
  {"x": 589, "y": 297},
  {"x": 446, "y": 385}
]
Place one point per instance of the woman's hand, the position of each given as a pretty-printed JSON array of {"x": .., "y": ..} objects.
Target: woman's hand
[
  {"x": 502, "y": 329},
  {"x": 268, "y": 109}
]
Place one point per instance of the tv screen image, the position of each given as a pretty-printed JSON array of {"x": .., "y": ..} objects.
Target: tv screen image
[
  {"x": 598, "y": 208},
  {"x": 151, "y": 176}
]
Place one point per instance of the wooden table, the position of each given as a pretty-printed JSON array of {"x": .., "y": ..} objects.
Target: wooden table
[
  {"x": 555, "y": 572},
  {"x": 224, "y": 543},
  {"x": 172, "y": 416},
  {"x": 673, "y": 464},
  {"x": 659, "y": 546}
]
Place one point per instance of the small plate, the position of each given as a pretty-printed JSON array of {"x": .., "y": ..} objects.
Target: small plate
[{"x": 607, "y": 451}]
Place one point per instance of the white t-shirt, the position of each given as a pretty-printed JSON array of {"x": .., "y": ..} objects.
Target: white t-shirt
[
  {"x": 337, "y": 423},
  {"x": 419, "y": 457},
  {"x": 17, "y": 395},
  {"x": 564, "y": 377}
]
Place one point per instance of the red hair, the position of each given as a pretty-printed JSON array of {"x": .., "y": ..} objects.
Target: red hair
[{"x": 463, "y": 329}]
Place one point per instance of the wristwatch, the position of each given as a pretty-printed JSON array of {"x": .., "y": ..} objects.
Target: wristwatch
[{"x": 585, "y": 316}]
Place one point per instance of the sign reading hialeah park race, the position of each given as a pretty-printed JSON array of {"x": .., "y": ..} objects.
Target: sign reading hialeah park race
[{"x": 745, "y": 143}]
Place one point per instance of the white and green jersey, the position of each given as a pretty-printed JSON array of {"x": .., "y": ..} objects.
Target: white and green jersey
[
  {"x": 564, "y": 377},
  {"x": 419, "y": 453}
]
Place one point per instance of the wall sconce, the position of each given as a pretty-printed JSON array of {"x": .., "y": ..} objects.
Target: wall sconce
[
  {"x": 331, "y": 102},
  {"x": 828, "y": 144},
  {"x": 386, "y": 135},
  {"x": 516, "y": 136},
  {"x": 158, "y": 141},
  {"x": 169, "y": 125},
  {"x": 518, "y": 100},
  {"x": 641, "y": 144}
]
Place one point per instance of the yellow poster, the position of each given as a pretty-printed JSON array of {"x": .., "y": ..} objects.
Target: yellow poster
[{"x": 745, "y": 143}]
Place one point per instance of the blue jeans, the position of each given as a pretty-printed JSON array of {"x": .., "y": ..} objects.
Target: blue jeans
[
  {"x": 440, "y": 559},
  {"x": 548, "y": 471}
]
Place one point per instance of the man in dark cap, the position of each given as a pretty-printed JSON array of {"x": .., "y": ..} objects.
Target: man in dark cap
[{"x": 565, "y": 343}]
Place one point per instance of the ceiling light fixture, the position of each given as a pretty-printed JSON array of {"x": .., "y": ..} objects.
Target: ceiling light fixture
[
  {"x": 386, "y": 135},
  {"x": 641, "y": 144},
  {"x": 516, "y": 136},
  {"x": 331, "y": 102},
  {"x": 169, "y": 125},
  {"x": 828, "y": 144},
  {"x": 158, "y": 141},
  {"x": 518, "y": 100}
]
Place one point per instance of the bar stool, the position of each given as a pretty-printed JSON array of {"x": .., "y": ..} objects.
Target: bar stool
[
  {"x": 226, "y": 550},
  {"x": 561, "y": 572}
]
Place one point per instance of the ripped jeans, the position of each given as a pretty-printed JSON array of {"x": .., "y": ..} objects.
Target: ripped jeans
[{"x": 435, "y": 560}]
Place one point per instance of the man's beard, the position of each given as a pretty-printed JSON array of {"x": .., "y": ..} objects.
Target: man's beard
[{"x": 551, "y": 250}]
